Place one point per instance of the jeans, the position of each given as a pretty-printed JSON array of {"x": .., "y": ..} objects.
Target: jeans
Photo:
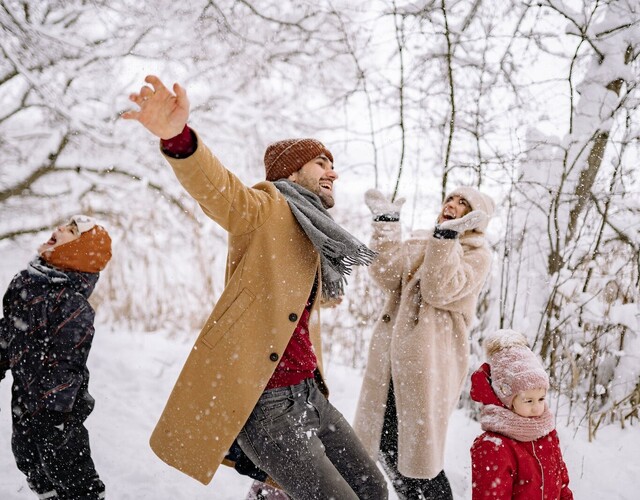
[
  {"x": 296, "y": 436},
  {"x": 261, "y": 491},
  {"x": 407, "y": 488}
]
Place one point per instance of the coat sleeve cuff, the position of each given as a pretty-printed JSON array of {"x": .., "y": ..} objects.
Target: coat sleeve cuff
[
  {"x": 445, "y": 234},
  {"x": 386, "y": 218},
  {"x": 182, "y": 145}
]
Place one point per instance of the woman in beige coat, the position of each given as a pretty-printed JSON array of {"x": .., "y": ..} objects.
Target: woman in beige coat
[{"x": 418, "y": 356}]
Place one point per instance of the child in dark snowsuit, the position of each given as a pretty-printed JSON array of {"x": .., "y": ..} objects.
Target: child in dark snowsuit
[
  {"x": 518, "y": 457},
  {"x": 46, "y": 335}
]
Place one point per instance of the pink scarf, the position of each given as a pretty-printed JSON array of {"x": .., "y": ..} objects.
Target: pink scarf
[{"x": 503, "y": 421}]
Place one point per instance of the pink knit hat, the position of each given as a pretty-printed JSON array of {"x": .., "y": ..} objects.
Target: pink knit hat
[{"x": 514, "y": 367}]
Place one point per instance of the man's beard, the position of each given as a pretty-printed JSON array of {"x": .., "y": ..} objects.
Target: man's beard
[{"x": 326, "y": 199}]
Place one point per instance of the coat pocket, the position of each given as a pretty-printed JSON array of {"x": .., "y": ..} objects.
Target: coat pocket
[
  {"x": 220, "y": 326},
  {"x": 274, "y": 409}
]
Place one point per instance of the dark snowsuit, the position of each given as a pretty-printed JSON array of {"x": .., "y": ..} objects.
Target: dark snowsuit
[
  {"x": 47, "y": 335},
  {"x": 4, "y": 355}
]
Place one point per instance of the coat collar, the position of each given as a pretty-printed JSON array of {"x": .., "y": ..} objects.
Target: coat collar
[{"x": 83, "y": 283}]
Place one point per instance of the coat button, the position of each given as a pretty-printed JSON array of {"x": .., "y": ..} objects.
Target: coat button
[
  {"x": 293, "y": 317},
  {"x": 274, "y": 356},
  {"x": 386, "y": 318}
]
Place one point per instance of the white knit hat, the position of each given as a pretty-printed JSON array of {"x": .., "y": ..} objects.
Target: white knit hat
[
  {"x": 514, "y": 367},
  {"x": 477, "y": 201},
  {"x": 84, "y": 223}
]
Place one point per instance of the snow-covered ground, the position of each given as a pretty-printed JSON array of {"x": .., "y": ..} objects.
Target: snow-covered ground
[{"x": 132, "y": 374}]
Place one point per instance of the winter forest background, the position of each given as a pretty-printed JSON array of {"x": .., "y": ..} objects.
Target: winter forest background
[{"x": 536, "y": 103}]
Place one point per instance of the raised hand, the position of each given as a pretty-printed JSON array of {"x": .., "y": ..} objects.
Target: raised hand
[
  {"x": 472, "y": 220},
  {"x": 380, "y": 205},
  {"x": 162, "y": 112}
]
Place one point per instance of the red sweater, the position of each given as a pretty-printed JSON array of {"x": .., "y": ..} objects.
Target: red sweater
[{"x": 298, "y": 362}]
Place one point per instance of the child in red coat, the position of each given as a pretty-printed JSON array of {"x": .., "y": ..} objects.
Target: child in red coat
[{"x": 518, "y": 456}]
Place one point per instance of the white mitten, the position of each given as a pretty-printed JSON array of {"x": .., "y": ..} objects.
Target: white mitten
[
  {"x": 381, "y": 206},
  {"x": 472, "y": 220}
]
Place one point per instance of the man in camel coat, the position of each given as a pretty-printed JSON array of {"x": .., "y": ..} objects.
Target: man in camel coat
[
  {"x": 251, "y": 393},
  {"x": 418, "y": 356}
]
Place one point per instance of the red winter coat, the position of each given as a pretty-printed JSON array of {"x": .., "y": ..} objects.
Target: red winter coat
[{"x": 503, "y": 468}]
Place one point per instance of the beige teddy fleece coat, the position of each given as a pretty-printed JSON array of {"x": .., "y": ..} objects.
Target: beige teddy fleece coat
[{"x": 420, "y": 340}]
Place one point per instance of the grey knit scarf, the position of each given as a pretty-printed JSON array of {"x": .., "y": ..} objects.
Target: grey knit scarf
[{"x": 339, "y": 250}]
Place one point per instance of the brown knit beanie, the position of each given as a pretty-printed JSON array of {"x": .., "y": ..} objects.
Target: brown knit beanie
[
  {"x": 88, "y": 253},
  {"x": 283, "y": 158}
]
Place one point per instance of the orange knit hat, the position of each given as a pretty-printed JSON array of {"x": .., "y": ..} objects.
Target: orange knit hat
[
  {"x": 88, "y": 253},
  {"x": 283, "y": 158}
]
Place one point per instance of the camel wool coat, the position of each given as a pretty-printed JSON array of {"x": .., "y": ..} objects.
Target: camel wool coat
[
  {"x": 432, "y": 286},
  {"x": 271, "y": 267}
]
